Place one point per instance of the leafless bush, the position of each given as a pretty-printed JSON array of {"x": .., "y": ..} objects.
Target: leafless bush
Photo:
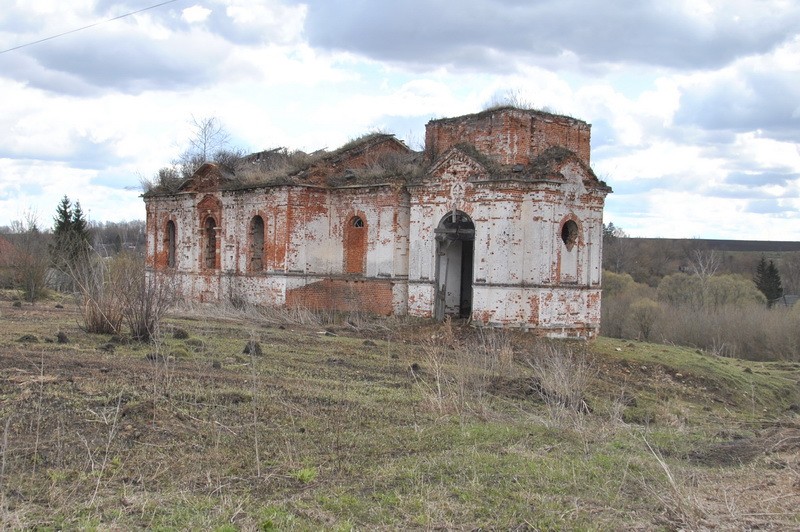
[
  {"x": 478, "y": 361},
  {"x": 644, "y": 313},
  {"x": 731, "y": 321},
  {"x": 146, "y": 296},
  {"x": 117, "y": 290},
  {"x": 562, "y": 374},
  {"x": 753, "y": 332},
  {"x": 96, "y": 280},
  {"x": 620, "y": 292},
  {"x": 26, "y": 257},
  {"x": 497, "y": 351}
]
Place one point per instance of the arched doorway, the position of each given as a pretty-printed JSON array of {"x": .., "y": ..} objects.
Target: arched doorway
[
  {"x": 355, "y": 245},
  {"x": 455, "y": 248}
]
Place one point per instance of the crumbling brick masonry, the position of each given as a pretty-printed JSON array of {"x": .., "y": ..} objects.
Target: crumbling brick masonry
[{"x": 498, "y": 221}]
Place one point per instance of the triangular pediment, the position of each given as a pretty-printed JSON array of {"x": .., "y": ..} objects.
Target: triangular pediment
[
  {"x": 209, "y": 203},
  {"x": 459, "y": 162},
  {"x": 209, "y": 177},
  {"x": 563, "y": 165}
]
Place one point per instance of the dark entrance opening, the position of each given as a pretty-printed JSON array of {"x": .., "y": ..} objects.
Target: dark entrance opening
[{"x": 455, "y": 250}]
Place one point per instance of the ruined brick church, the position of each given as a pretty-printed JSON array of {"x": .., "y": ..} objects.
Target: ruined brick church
[{"x": 498, "y": 220}]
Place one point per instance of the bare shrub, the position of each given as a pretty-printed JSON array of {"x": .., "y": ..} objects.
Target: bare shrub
[
  {"x": 478, "y": 361},
  {"x": 27, "y": 258},
  {"x": 146, "y": 296},
  {"x": 644, "y": 313},
  {"x": 752, "y": 332},
  {"x": 96, "y": 280},
  {"x": 619, "y": 293},
  {"x": 723, "y": 314},
  {"x": 118, "y": 290},
  {"x": 497, "y": 350},
  {"x": 562, "y": 374}
]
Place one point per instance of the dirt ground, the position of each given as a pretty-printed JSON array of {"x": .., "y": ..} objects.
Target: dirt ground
[{"x": 96, "y": 430}]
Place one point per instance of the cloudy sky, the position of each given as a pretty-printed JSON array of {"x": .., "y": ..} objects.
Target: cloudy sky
[{"x": 694, "y": 104}]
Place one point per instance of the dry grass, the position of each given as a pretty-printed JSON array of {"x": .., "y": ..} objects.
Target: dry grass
[
  {"x": 563, "y": 373},
  {"x": 331, "y": 428},
  {"x": 750, "y": 332}
]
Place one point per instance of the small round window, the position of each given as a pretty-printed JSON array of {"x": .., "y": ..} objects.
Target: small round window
[
  {"x": 357, "y": 222},
  {"x": 569, "y": 234}
]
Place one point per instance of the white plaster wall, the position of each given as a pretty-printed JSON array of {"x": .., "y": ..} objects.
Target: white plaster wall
[
  {"x": 422, "y": 242},
  {"x": 563, "y": 310},
  {"x": 401, "y": 240},
  {"x": 498, "y": 258},
  {"x": 517, "y": 238},
  {"x": 400, "y": 297},
  {"x": 421, "y": 297}
]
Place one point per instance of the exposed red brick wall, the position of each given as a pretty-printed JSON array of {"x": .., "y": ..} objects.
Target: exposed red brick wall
[
  {"x": 161, "y": 242},
  {"x": 368, "y": 295},
  {"x": 359, "y": 157},
  {"x": 548, "y": 133},
  {"x": 510, "y": 136}
]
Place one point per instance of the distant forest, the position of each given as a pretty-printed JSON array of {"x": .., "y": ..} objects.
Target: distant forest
[
  {"x": 107, "y": 238},
  {"x": 648, "y": 260}
]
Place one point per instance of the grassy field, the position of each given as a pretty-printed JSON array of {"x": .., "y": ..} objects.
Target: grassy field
[{"x": 374, "y": 424}]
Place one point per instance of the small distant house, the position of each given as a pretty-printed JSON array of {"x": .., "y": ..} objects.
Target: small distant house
[{"x": 498, "y": 220}]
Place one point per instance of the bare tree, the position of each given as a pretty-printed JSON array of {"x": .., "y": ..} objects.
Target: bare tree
[
  {"x": 705, "y": 262},
  {"x": 617, "y": 249},
  {"x": 27, "y": 257},
  {"x": 209, "y": 136},
  {"x": 790, "y": 272},
  {"x": 208, "y": 140},
  {"x": 118, "y": 290}
]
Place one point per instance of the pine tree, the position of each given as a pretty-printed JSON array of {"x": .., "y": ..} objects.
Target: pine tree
[
  {"x": 63, "y": 217},
  {"x": 768, "y": 280},
  {"x": 80, "y": 230},
  {"x": 71, "y": 237}
]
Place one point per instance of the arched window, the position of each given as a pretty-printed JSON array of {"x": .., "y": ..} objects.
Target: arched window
[
  {"x": 170, "y": 244},
  {"x": 355, "y": 245},
  {"x": 210, "y": 243},
  {"x": 569, "y": 234},
  {"x": 257, "y": 244}
]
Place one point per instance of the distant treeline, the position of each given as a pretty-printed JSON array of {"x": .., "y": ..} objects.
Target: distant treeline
[
  {"x": 648, "y": 260},
  {"x": 753, "y": 246}
]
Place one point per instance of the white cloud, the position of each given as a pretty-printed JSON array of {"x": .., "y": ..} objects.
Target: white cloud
[
  {"x": 694, "y": 106},
  {"x": 195, "y": 14},
  {"x": 277, "y": 22}
]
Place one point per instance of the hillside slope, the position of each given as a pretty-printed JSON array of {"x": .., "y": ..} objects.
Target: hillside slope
[{"x": 371, "y": 424}]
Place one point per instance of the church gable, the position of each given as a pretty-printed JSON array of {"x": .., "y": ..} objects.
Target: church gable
[
  {"x": 459, "y": 164},
  {"x": 560, "y": 164},
  {"x": 209, "y": 177},
  {"x": 352, "y": 163}
]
